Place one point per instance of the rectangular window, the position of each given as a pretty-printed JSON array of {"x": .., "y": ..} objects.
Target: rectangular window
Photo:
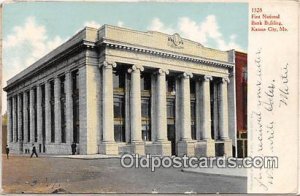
[
  {"x": 146, "y": 81},
  {"x": 192, "y": 86},
  {"x": 170, "y": 84},
  {"x": 119, "y": 78},
  {"x": 17, "y": 118},
  {"x": 171, "y": 109},
  {"x": 146, "y": 132},
  {"x": 119, "y": 132},
  {"x": 193, "y": 119},
  {"x": 146, "y": 108},
  {"x": 119, "y": 118}
]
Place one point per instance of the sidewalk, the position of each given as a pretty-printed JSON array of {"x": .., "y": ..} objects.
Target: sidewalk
[
  {"x": 233, "y": 172},
  {"x": 92, "y": 156}
]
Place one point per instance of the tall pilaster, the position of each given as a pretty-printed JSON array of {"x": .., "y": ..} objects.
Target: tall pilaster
[
  {"x": 57, "y": 109},
  {"x": 14, "y": 108},
  {"x": 108, "y": 145},
  {"x": 186, "y": 144},
  {"x": 135, "y": 109},
  {"x": 163, "y": 146},
  {"x": 10, "y": 120},
  {"x": 25, "y": 116},
  {"x": 47, "y": 113},
  {"x": 32, "y": 115},
  {"x": 206, "y": 110},
  {"x": 39, "y": 113},
  {"x": 205, "y": 146},
  {"x": 186, "y": 107},
  {"x": 223, "y": 111},
  {"x": 69, "y": 107},
  {"x": 20, "y": 118}
]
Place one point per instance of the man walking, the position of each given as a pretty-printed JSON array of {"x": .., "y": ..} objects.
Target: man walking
[
  {"x": 7, "y": 151},
  {"x": 73, "y": 146},
  {"x": 34, "y": 151}
]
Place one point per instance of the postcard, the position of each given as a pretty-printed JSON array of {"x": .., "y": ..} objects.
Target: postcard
[{"x": 144, "y": 97}]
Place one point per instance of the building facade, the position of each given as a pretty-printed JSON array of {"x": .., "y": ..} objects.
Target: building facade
[
  {"x": 114, "y": 90},
  {"x": 241, "y": 102}
]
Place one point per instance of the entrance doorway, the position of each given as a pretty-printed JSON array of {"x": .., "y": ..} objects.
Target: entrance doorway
[{"x": 172, "y": 138}]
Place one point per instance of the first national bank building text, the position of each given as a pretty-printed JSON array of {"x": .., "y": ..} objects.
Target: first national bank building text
[{"x": 114, "y": 90}]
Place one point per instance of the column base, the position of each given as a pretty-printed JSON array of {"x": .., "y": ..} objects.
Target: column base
[
  {"x": 205, "y": 148},
  {"x": 138, "y": 148},
  {"x": 162, "y": 148},
  {"x": 228, "y": 147},
  {"x": 186, "y": 148},
  {"x": 110, "y": 148}
]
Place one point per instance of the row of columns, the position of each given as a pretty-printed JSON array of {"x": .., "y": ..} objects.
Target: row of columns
[
  {"x": 19, "y": 109},
  {"x": 161, "y": 104}
]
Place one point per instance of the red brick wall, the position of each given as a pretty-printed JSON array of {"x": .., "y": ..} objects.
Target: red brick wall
[{"x": 241, "y": 91}]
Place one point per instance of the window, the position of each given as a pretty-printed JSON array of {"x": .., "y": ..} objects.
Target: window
[
  {"x": 193, "y": 119},
  {"x": 28, "y": 114},
  {"x": 119, "y": 107},
  {"x": 35, "y": 115},
  {"x": 146, "y": 132},
  {"x": 119, "y": 78},
  {"x": 192, "y": 86},
  {"x": 119, "y": 132},
  {"x": 146, "y": 81},
  {"x": 170, "y": 84},
  {"x": 170, "y": 109},
  {"x": 146, "y": 108}
]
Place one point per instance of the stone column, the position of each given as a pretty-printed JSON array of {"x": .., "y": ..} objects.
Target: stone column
[
  {"x": 57, "y": 109},
  {"x": 25, "y": 117},
  {"x": 39, "y": 113},
  {"x": 20, "y": 118},
  {"x": 135, "y": 109},
  {"x": 69, "y": 107},
  {"x": 223, "y": 111},
  {"x": 186, "y": 144},
  {"x": 14, "y": 102},
  {"x": 108, "y": 145},
  {"x": 9, "y": 123},
  {"x": 206, "y": 146},
  {"x": 47, "y": 113},
  {"x": 32, "y": 115},
  {"x": 163, "y": 145}
]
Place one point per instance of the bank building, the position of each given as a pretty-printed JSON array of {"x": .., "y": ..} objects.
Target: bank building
[{"x": 114, "y": 90}]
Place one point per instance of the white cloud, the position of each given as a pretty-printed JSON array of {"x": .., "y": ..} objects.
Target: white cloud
[
  {"x": 92, "y": 23},
  {"x": 26, "y": 44},
  {"x": 206, "y": 32},
  {"x": 157, "y": 25},
  {"x": 120, "y": 24}
]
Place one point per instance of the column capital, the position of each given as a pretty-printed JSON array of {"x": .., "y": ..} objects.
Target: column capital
[
  {"x": 225, "y": 80},
  {"x": 207, "y": 78},
  {"x": 162, "y": 71},
  {"x": 108, "y": 65},
  {"x": 135, "y": 68},
  {"x": 186, "y": 75}
]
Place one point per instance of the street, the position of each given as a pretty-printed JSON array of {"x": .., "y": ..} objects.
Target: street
[{"x": 45, "y": 174}]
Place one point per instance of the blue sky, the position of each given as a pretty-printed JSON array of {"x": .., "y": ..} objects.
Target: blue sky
[{"x": 31, "y": 30}]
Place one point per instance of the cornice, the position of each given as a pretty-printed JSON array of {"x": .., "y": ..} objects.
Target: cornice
[{"x": 165, "y": 54}]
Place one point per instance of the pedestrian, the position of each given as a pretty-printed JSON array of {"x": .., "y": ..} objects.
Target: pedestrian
[
  {"x": 7, "y": 151},
  {"x": 34, "y": 151},
  {"x": 73, "y": 146}
]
